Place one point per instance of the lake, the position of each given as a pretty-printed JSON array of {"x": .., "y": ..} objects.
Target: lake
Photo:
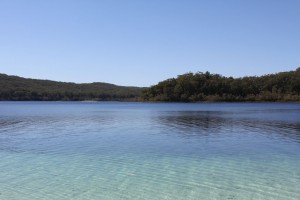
[{"x": 113, "y": 150}]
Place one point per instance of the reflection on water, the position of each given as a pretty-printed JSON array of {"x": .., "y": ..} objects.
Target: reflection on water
[
  {"x": 74, "y": 150},
  {"x": 194, "y": 122},
  {"x": 203, "y": 123}
]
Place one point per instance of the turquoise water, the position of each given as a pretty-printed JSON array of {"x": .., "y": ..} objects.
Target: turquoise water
[{"x": 111, "y": 150}]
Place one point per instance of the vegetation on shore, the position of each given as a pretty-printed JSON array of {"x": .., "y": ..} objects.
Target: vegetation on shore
[
  {"x": 197, "y": 87},
  {"x": 14, "y": 88},
  {"x": 189, "y": 87}
]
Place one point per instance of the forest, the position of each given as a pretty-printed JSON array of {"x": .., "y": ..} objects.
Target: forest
[
  {"x": 14, "y": 88},
  {"x": 198, "y": 87},
  {"x": 189, "y": 87}
]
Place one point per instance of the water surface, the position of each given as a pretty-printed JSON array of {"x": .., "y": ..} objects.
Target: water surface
[{"x": 111, "y": 150}]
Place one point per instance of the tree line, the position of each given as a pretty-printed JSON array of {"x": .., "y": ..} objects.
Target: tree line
[
  {"x": 14, "y": 88},
  {"x": 189, "y": 87},
  {"x": 197, "y": 87}
]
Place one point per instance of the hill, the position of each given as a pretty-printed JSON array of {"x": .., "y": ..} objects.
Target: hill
[
  {"x": 195, "y": 87},
  {"x": 18, "y": 88},
  {"x": 189, "y": 87}
]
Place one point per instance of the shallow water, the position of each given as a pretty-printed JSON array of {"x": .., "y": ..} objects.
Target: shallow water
[{"x": 111, "y": 150}]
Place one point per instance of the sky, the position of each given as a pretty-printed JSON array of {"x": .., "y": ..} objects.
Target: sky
[{"x": 142, "y": 42}]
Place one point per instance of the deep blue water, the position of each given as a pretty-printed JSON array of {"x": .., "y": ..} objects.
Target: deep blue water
[{"x": 112, "y": 150}]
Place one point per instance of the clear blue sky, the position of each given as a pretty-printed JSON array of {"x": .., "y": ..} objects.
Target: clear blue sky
[{"x": 141, "y": 42}]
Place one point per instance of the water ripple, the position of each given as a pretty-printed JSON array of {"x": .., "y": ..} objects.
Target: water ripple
[{"x": 149, "y": 151}]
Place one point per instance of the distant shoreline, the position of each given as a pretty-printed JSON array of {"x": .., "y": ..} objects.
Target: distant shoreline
[
  {"x": 154, "y": 102},
  {"x": 190, "y": 87}
]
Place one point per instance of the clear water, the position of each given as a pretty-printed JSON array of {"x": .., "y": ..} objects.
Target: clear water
[{"x": 110, "y": 150}]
